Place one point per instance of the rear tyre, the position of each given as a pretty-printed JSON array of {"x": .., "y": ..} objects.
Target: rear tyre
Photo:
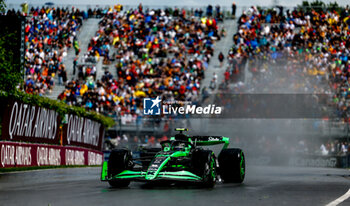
[
  {"x": 119, "y": 160},
  {"x": 204, "y": 165},
  {"x": 232, "y": 165}
]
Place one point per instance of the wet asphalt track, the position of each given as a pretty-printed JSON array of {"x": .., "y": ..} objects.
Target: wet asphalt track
[{"x": 263, "y": 186}]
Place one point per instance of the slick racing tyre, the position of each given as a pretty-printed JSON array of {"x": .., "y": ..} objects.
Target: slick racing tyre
[
  {"x": 119, "y": 160},
  {"x": 204, "y": 165},
  {"x": 232, "y": 165}
]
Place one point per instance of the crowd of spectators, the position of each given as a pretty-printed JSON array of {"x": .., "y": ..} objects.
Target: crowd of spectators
[
  {"x": 294, "y": 145},
  {"x": 334, "y": 147},
  {"x": 133, "y": 141},
  {"x": 49, "y": 33},
  {"x": 155, "y": 53},
  {"x": 295, "y": 51}
]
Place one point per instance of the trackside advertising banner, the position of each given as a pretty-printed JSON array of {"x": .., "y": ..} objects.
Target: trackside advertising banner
[
  {"x": 80, "y": 131},
  {"x": 24, "y": 122},
  {"x": 27, "y": 123},
  {"x": 15, "y": 154},
  {"x": 332, "y": 161}
]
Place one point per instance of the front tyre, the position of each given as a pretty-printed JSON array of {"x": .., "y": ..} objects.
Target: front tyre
[
  {"x": 119, "y": 160},
  {"x": 204, "y": 165},
  {"x": 232, "y": 165},
  {"x": 209, "y": 177}
]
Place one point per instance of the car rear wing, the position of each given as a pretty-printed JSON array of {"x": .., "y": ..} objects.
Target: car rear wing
[
  {"x": 201, "y": 140},
  {"x": 210, "y": 140}
]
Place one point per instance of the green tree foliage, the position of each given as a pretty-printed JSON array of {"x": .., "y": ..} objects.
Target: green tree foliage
[
  {"x": 315, "y": 5},
  {"x": 334, "y": 7},
  {"x": 10, "y": 75},
  {"x": 2, "y": 6},
  {"x": 320, "y": 6},
  {"x": 60, "y": 107}
]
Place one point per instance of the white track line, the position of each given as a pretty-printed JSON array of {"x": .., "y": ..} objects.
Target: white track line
[{"x": 340, "y": 199}]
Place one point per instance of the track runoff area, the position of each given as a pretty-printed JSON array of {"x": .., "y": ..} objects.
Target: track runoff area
[{"x": 264, "y": 185}]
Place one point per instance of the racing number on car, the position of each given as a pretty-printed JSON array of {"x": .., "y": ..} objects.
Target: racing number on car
[{"x": 156, "y": 163}]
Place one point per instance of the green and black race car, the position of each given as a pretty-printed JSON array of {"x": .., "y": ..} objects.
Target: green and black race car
[{"x": 180, "y": 159}]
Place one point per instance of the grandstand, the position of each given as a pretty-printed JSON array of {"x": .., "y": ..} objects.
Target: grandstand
[
  {"x": 107, "y": 60},
  {"x": 142, "y": 56},
  {"x": 297, "y": 51},
  {"x": 297, "y": 48}
]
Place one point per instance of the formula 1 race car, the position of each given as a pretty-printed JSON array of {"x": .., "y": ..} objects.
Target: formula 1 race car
[{"x": 179, "y": 159}]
